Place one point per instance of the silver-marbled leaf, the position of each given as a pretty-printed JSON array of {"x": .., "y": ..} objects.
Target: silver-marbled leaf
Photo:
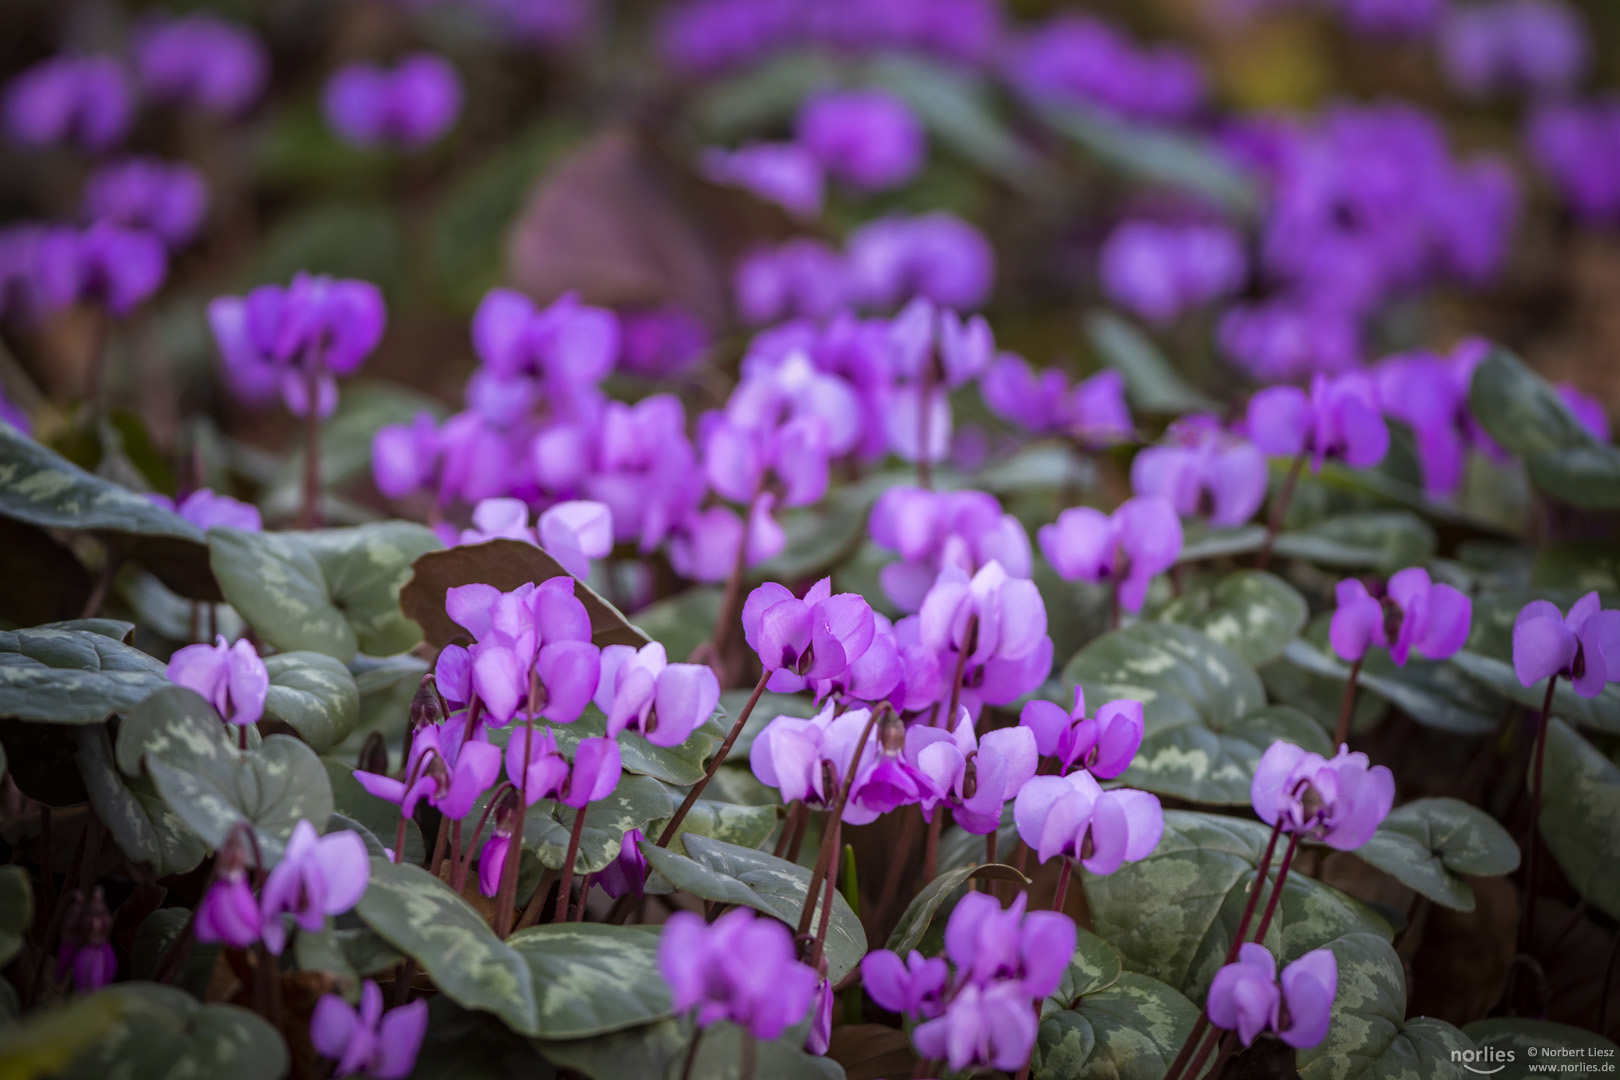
[
  {"x": 1427, "y": 845},
  {"x": 1130, "y": 1030},
  {"x": 590, "y": 978},
  {"x": 1251, "y": 612},
  {"x": 313, "y": 694},
  {"x": 1581, "y": 803},
  {"x": 72, "y": 676}
]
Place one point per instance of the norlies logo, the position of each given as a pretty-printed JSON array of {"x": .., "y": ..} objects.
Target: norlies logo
[{"x": 1485, "y": 1061}]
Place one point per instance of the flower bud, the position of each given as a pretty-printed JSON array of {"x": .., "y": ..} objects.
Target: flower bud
[{"x": 425, "y": 708}]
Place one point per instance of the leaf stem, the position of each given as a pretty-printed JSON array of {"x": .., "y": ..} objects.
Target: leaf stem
[
  {"x": 1533, "y": 863},
  {"x": 714, "y": 766}
]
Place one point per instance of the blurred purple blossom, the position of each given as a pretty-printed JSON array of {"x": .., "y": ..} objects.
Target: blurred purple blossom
[
  {"x": 1082, "y": 59},
  {"x": 1140, "y": 539},
  {"x": 1338, "y": 420},
  {"x": 202, "y": 60},
  {"x": 869, "y": 139},
  {"x": 104, "y": 264},
  {"x": 930, "y": 530},
  {"x": 1432, "y": 619},
  {"x": 84, "y": 100},
  {"x": 412, "y": 104},
  {"x": 662, "y": 342},
  {"x": 1534, "y": 46},
  {"x": 229, "y": 912},
  {"x": 1159, "y": 271},
  {"x": 368, "y": 1040},
  {"x": 526, "y": 353},
  {"x": 1281, "y": 340},
  {"x": 1247, "y": 997},
  {"x": 936, "y": 256},
  {"x": 1339, "y": 801},
  {"x": 742, "y": 968},
  {"x": 1583, "y": 646},
  {"x": 206, "y": 509},
  {"x": 783, "y": 173},
  {"x": 1577, "y": 145},
  {"x": 1094, "y": 412},
  {"x": 1202, "y": 469},
  {"x": 169, "y": 200}
]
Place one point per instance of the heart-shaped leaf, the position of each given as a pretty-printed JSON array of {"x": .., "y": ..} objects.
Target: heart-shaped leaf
[
  {"x": 141, "y": 823},
  {"x": 590, "y": 979},
  {"x": 1132, "y": 1028},
  {"x": 418, "y": 914},
  {"x": 1370, "y": 1037},
  {"x": 1427, "y": 843},
  {"x": 72, "y": 676},
  {"x": 728, "y": 874},
  {"x": 1094, "y": 967},
  {"x": 914, "y": 921},
  {"x": 1181, "y": 677},
  {"x": 1384, "y": 540},
  {"x": 350, "y": 954},
  {"x": 744, "y": 825},
  {"x": 336, "y": 591},
  {"x": 1580, "y": 804},
  {"x": 314, "y": 695},
  {"x": 1600, "y": 712},
  {"x": 1510, "y": 1047},
  {"x": 177, "y": 721},
  {"x": 378, "y": 816},
  {"x": 1251, "y": 612},
  {"x": 1206, "y": 766}
]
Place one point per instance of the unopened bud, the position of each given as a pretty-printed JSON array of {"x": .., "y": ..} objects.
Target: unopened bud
[
  {"x": 892, "y": 734},
  {"x": 507, "y": 811},
  {"x": 374, "y": 754},
  {"x": 970, "y": 777},
  {"x": 425, "y": 708}
]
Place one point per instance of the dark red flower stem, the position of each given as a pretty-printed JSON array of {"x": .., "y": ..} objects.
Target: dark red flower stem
[
  {"x": 311, "y": 517},
  {"x": 1276, "y": 892},
  {"x": 825, "y": 921},
  {"x": 829, "y": 837},
  {"x": 560, "y": 912},
  {"x": 1279, "y": 508},
  {"x": 1533, "y": 862},
  {"x": 506, "y": 897},
  {"x": 714, "y": 766},
  {"x": 1347, "y": 707},
  {"x": 1062, "y": 884}
]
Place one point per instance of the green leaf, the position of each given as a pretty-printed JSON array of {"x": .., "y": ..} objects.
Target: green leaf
[
  {"x": 1200, "y": 542},
  {"x": 1427, "y": 843},
  {"x": 1172, "y": 914},
  {"x": 350, "y": 954},
  {"x": 272, "y": 788},
  {"x": 1528, "y": 418},
  {"x": 349, "y": 239},
  {"x": 160, "y": 1033},
  {"x": 681, "y": 765},
  {"x": 635, "y": 802},
  {"x": 1581, "y": 803},
  {"x": 1514, "y": 1045},
  {"x": 728, "y": 874},
  {"x": 1600, "y": 713},
  {"x": 45, "y": 489},
  {"x": 1251, "y": 612},
  {"x": 1370, "y": 1037},
  {"x": 1386, "y": 540},
  {"x": 157, "y": 932},
  {"x": 142, "y": 824},
  {"x": 314, "y": 695},
  {"x": 175, "y": 720},
  {"x": 1131, "y": 1030},
  {"x": 1094, "y": 968},
  {"x": 658, "y": 1052},
  {"x": 1153, "y": 383},
  {"x": 72, "y": 676},
  {"x": 954, "y": 105},
  {"x": 682, "y": 622},
  {"x": 386, "y": 686},
  {"x": 502, "y": 1054},
  {"x": 914, "y": 921},
  {"x": 418, "y": 914},
  {"x": 336, "y": 591},
  {"x": 16, "y": 911},
  {"x": 379, "y": 816},
  {"x": 590, "y": 979},
  {"x": 746, "y": 826},
  {"x": 1202, "y": 765}
]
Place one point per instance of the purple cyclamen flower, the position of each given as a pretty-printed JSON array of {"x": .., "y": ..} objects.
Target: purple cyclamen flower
[
  {"x": 295, "y": 339},
  {"x": 1140, "y": 539},
  {"x": 1247, "y": 997},
  {"x": 937, "y": 256},
  {"x": 1339, "y": 801},
  {"x": 1084, "y": 60},
  {"x": 1577, "y": 144},
  {"x": 1103, "y": 745},
  {"x": 1588, "y": 411},
  {"x": 801, "y": 278},
  {"x": 528, "y": 354},
  {"x": 411, "y": 105},
  {"x": 665, "y": 702},
  {"x": 1102, "y": 830},
  {"x": 914, "y": 986},
  {"x": 930, "y": 530},
  {"x": 703, "y": 544},
  {"x": 1203, "y": 469},
  {"x": 449, "y": 773},
  {"x": 148, "y": 193},
  {"x": 104, "y": 264},
  {"x": 813, "y": 638},
  {"x": 782, "y": 173},
  {"x": 1432, "y": 619},
  {"x": 998, "y": 622},
  {"x": 1093, "y": 412},
  {"x": 404, "y": 457},
  {"x": 993, "y": 1026},
  {"x": 316, "y": 877},
  {"x": 1583, "y": 646},
  {"x": 85, "y": 100},
  {"x": 869, "y": 139},
  {"x": 1159, "y": 271},
  {"x": 497, "y": 519},
  {"x": 206, "y": 509},
  {"x": 575, "y": 532},
  {"x": 626, "y": 874},
  {"x": 1284, "y": 339},
  {"x": 85, "y": 949},
  {"x": 1538, "y": 46},
  {"x": 974, "y": 777},
  {"x": 229, "y": 912},
  {"x": 741, "y": 968},
  {"x": 534, "y": 641},
  {"x": 739, "y": 461},
  {"x": 231, "y": 677},
  {"x": 1340, "y": 418},
  {"x": 538, "y": 769},
  {"x": 367, "y": 1040},
  {"x": 202, "y": 60},
  {"x": 662, "y": 342},
  {"x": 808, "y": 761}
]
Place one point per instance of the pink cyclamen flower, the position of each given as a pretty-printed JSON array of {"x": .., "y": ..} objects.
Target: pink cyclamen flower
[
  {"x": 148, "y": 193},
  {"x": 1158, "y": 270},
  {"x": 868, "y": 138},
  {"x": 1339, "y": 801},
  {"x": 539, "y": 770},
  {"x": 665, "y": 702},
  {"x": 782, "y": 173},
  {"x": 1203, "y": 470},
  {"x": 116, "y": 267},
  {"x": 808, "y": 760},
  {"x": 1247, "y": 997},
  {"x": 449, "y": 773},
  {"x": 813, "y": 638},
  {"x": 229, "y": 912},
  {"x": 1583, "y": 646},
  {"x": 1431, "y": 619},
  {"x": 206, "y": 509},
  {"x": 411, "y": 105},
  {"x": 929, "y": 529},
  {"x": 575, "y": 532},
  {"x": 316, "y": 877},
  {"x": 1071, "y": 815},
  {"x": 1338, "y": 419},
  {"x": 628, "y": 872},
  {"x": 974, "y": 776},
  {"x": 368, "y": 1040},
  {"x": 1102, "y": 745},
  {"x": 531, "y": 643},
  {"x": 1140, "y": 539},
  {"x": 87, "y": 100},
  {"x": 914, "y": 986},
  {"x": 232, "y": 678},
  {"x": 202, "y": 60},
  {"x": 741, "y": 968}
]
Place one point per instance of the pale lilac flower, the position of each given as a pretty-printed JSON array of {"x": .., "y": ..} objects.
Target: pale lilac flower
[
  {"x": 786, "y": 174},
  {"x": 792, "y": 458},
  {"x": 534, "y": 641},
  {"x": 1583, "y": 646},
  {"x": 231, "y": 677},
  {"x": 662, "y": 342},
  {"x": 1339, "y": 801},
  {"x": 539, "y": 770},
  {"x": 1202, "y": 469},
  {"x": 85, "y": 949},
  {"x": 411, "y": 105},
  {"x": 993, "y": 1026},
  {"x": 367, "y": 1040},
  {"x": 1139, "y": 540},
  {"x": 1287, "y": 339},
  {"x": 202, "y": 60},
  {"x": 1159, "y": 271},
  {"x": 206, "y": 509},
  {"x": 229, "y": 913},
  {"x": 1339, "y": 419},
  {"x": 405, "y": 457},
  {"x": 808, "y": 761},
  {"x": 931, "y": 530},
  {"x": 148, "y": 193},
  {"x": 1247, "y": 997},
  {"x": 528, "y": 354},
  {"x": 1432, "y": 619},
  {"x": 1577, "y": 145},
  {"x": 741, "y": 968},
  {"x": 937, "y": 256},
  {"x": 703, "y": 544},
  {"x": 499, "y": 519},
  {"x": 665, "y": 702},
  {"x": 576, "y": 532},
  {"x": 800, "y": 279},
  {"x": 1537, "y": 46},
  {"x": 316, "y": 877},
  {"x": 1093, "y": 412},
  {"x": 1103, "y": 745},
  {"x": 626, "y": 874},
  {"x": 914, "y": 986},
  {"x": 447, "y": 771},
  {"x": 813, "y": 638},
  {"x": 974, "y": 777},
  {"x": 1102, "y": 830},
  {"x": 869, "y": 139},
  {"x": 86, "y": 100}
]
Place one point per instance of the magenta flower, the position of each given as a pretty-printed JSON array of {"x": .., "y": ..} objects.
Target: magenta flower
[
  {"x": 782, "y": 173},
  {"x": 1583, "y": 646},
  {"x": 87, "y": 100},
  {"x": 1201, "y": 469},
  {"x": 739, "y": 461},
  {"x": 993, "y": 1026},
  {"x": 1140, "y": 539},
  {"x": 813, "y": 638},
  {"x": 1071, "y": 815},
  {"x": 799, "y": 279},
  {"x": 867, "y": 138},
  {"x": 316, "y": 877},
  {"x": 937, "y": 256},
  {"x": 930, "y": 530},
  {"x": 229, "y": 912},
  {"x": 1339, "y": 419},
  {"x": 703, "y": 544},
  {"x": 665, "y": 702},
  {"x": 533, "y": 642},
  {"x": 294, "y": 339},
  {"x": 206, "y": 509},
  {"x": 367, "y": 1040},
  {"x": 1094, "y": 412},
  {"x": 202, "y": 60},
  {"x": 914, "y": 986},
  {"x": 1531, "y": 45},
  {"x": 974, "y": 777},
  {"x": 105, "y": 264},
  {"x": 231, "y": 677},
  {"x": 1290, "y": 338},
  {"x": 1080, "y": 58},
  {"x": 526, "y": 354},
  {"x": 1247, "y": 997},
  {"x": 740, "y": 968},
  {"x": 1339, "y": 801},
  {"x": 539, "y": 770},
  {"x": 989, "y": 616},
  {"x": 170, "y": 200},
  {"x": 411, "y": 106},
  {"x": 496, "y": 519},
  {"x": 405, "y": 457},
  {"x": 1432, "y": 619},
  {"x": 807, "y": 760},
  {"x": 1102, "y": 745},
  {"x": 626, "y": 874},
  {"x": 1577, "y": 145},
  {"x": 1430, "y": 395},
  {"x": 449, "y": 773},
  {"x": 663, "y": 341},
  {"x": 1159, "y": 271}
]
